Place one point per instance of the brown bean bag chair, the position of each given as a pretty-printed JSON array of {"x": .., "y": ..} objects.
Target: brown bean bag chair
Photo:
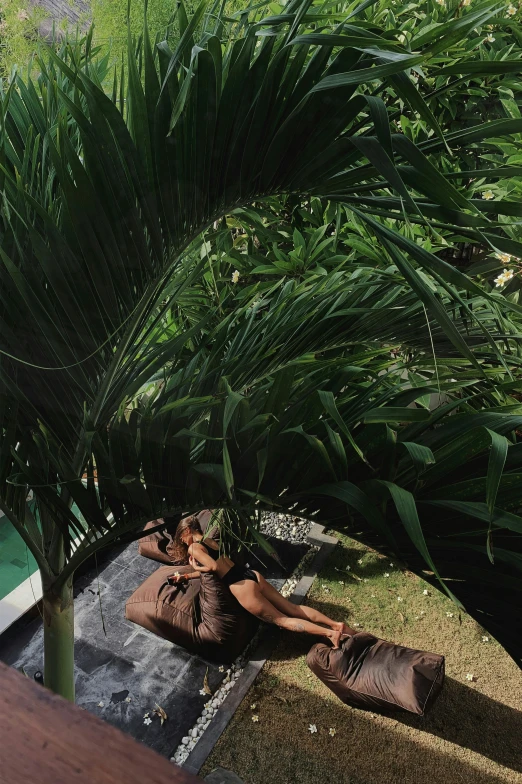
[
  {"x": 159, "y": 545},
  {"x": 201, "y": 615},
  {"x": 377, "y": 675}
]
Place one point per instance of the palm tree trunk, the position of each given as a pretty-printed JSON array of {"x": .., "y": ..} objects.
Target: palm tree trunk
[{"x": 58, "y": 616}]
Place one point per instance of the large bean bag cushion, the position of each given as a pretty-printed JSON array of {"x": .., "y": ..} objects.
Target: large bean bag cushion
[
  {"x": 201, "y": 615},
  {"x": 377, "y": 675},
  {"x": 160, "y": 545}
]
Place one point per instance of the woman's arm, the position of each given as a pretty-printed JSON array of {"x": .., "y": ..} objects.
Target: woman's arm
[
  {"x": 177, "y": 578},
  {"x": 199, "y": 554}
]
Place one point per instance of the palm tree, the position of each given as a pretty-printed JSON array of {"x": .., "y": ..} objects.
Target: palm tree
[{"x": 104, "y": 194}]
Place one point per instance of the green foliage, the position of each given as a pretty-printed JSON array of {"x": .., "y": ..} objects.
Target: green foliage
[
  {"x": 19, "y": 23},
  {"x": 110, "y": 22},
  {"x": 131, "y": 358}
]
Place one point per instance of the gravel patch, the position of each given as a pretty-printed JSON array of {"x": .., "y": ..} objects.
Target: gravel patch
[{"x": 285, "y": 526}]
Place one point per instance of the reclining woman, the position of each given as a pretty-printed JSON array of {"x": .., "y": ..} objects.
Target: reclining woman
[{"x": 250, "y": 588}]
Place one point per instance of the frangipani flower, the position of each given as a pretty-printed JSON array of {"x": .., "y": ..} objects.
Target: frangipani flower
[
  {"x": 511, "y": 10},
  {"x": 505, "y": 258},
  {"x": 147, "y": 721},
  {"x": 504, "y": 277},
  {"x": 470, "y": 677},
  {"x": 489, "y": 38},
  {"x": 485, "y": 639},
  {"x": 255, "y": 718},
  {"x": 312, "y": 728},
  {"x": 426, "y": 592},
  {"x": 332, "y": 731},
  {"x": 488, "y": 194}
]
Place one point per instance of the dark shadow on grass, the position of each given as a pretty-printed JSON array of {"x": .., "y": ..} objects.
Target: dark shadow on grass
[
  {"x": 280, "y": 750},
  {"x": 461, "y": 715}
]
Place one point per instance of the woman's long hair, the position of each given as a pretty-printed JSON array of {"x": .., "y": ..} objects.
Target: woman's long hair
[{"x": 179, "y": 550}]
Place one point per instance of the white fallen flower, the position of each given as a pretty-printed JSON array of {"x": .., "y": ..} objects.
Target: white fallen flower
[
  {"x": 221, "y": 669},
  {"x": 485, "y": 639},
  {"x": 470, "y": 677},
  {"x": 253, "y": 706},
  {"x": 235, "y": 276},
  {"x": 360, "y": 561},
  {"x": 449, "y": 615},
  {"x": 399, "y": 598},
  {"x": 147, "y": 721},
  {"x": 348, "y": 568},
  {"x": 128, "y": 699},
  {"x": 391, "y": 565},
  {"x": 146, "y": 715},
  {"x": 255, "y": 718},
  {"x": 426, "y": 592},
  {"x": 203, "y": 692},
  {"x": 365, "y": 579},
  {"x": 312, "y": 728},
  {"x": 332, "y": 731},
  {"x": 386, "y": 574},
  {"x": 101, "y": 705},
  {"x": 341, "y": 582}
]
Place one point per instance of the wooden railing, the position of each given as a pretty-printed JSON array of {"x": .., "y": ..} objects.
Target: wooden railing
[{"x": 46, "y": 740}]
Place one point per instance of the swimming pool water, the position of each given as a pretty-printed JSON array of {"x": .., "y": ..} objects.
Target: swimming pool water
[{"x": 16, "y": 562}]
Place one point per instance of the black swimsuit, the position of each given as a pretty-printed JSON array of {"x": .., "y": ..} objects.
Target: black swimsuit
[{"x": 236, "y": 573}]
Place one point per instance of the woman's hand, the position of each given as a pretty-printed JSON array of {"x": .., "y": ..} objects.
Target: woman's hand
[
  {"x": 195, "y": 565},
  {"x": 177, "y": 578}
]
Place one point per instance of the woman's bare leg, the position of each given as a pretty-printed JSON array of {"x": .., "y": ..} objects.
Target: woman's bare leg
[
  {"x": 299, "y": 610},
  {"x": 249, "y": 595}
]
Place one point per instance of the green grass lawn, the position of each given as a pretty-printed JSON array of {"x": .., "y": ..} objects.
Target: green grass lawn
[{"x": 473, "y": 733}]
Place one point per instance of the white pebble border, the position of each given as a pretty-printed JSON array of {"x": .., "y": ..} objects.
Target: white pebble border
[{"x": 232, "y": 675}]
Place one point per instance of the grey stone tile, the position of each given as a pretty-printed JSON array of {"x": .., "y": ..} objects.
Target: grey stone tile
[{"x": 126, "y": 668}]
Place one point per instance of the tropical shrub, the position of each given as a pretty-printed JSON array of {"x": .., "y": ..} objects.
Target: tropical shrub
[{"x": 267, "y": 398}]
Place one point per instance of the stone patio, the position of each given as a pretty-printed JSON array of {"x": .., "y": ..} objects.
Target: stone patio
[{"x": 124, "y": 671}]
